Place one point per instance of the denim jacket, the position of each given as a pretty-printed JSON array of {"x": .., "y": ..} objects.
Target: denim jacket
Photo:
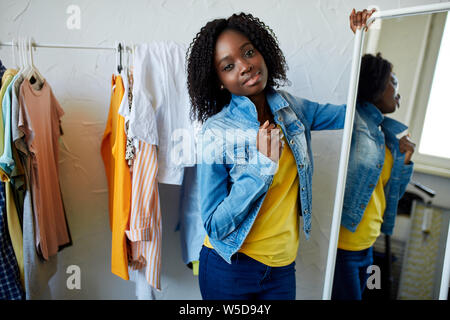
[
  {"x": 371, "y": 132},
  {"x": 233, "y": 190}
]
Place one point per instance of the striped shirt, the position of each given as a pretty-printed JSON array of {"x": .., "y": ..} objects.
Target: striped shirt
[{"x": 145, "y": 218}]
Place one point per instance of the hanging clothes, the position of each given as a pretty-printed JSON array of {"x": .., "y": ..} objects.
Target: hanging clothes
[
  {"x": 39, "y": 120},
  {"x": 161, "y": 106},
  {"x": 145, "y": 231},
  {"x": 192, "y": 231},
  {"x": 145, "y": 227},
  {"x": 37, "y": 272},
  {"x": 7, "y": 165},
  {"x": 12, "y": 217},
  {"x": 17, "y": 176},
  {"x": 6, "y": 80},
  {"x": 2, "y": 71},
  {"x": 109, "y": 138},
  {"x": 10, "y": 288},
  {"x": 113, "y": 149}
]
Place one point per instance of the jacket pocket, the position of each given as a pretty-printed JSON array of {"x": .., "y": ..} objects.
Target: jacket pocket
[
  {"x": 295, "y": 128},
  {"x": 366, "y": 145}
]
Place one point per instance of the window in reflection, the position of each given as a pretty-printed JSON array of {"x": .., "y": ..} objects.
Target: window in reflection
[{"x": 435, "y": 129}]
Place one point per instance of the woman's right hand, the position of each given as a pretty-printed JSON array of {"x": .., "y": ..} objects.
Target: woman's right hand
[
  {"x": 407, "y": 147},
  {"x": 268, "y": 141},
  {"x": 359, "y": 19}
]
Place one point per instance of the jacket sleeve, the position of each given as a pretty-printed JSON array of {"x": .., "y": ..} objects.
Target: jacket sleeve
[
  {"x": 228, "y": 192},
  {"x": 320, "y": 116},
  {"x": 328, "y": 117}
]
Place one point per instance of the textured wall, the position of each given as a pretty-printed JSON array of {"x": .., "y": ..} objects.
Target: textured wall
[{"x": 317, "y": 42}]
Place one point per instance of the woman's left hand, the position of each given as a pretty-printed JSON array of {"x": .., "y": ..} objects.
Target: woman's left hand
[
  {"x": 407, "y": 147},
  {"x": 359, "y": 19}
]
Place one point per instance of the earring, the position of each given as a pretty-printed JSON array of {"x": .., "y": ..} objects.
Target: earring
[{"x": 222, "y": 87}]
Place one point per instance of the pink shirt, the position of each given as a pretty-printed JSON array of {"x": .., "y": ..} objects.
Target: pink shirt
[{"x": 39, "y": 120}]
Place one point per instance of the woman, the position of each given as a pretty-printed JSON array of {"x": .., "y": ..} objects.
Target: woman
[
  {"x": 251, "y": 189},
  {"x": 379, "y": 170}
]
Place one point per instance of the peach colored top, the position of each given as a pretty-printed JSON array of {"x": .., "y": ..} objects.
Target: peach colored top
[{"x": 39, "y": 120}]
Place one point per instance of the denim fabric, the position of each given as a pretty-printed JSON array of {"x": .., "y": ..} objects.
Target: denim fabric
[
  {"x": 371, "y": 132},
  {"x": 244, "y": 279},
  {"x": 234, "y": 176},
  {"x": 350, "y": 273},
  {"x": 192, "y": 232}
]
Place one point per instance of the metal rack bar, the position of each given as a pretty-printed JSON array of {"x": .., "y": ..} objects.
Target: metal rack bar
[{"x": 61, "y": 46}]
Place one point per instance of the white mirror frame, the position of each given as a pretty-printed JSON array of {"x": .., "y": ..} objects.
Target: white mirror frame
[{"x": 346, "y": 141}]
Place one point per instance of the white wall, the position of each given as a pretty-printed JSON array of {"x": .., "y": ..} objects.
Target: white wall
[{"x": 317, "y": 42}]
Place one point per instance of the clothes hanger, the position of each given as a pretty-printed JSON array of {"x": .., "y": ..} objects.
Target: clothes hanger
[
  {"x": 128, "y": 58},
  {"x": 13, "y": 51},
  {"x": 33, "y": 75},
  {"x": 119, "y": 53},
  {"x": 23, "y": 61}
]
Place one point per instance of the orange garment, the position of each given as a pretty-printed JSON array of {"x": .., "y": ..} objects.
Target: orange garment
[
  {"x": 109, "y": 137},
  {"x": 119, "y": 180}
]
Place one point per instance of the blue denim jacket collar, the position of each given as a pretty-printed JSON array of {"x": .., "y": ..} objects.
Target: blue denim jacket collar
[{"x": 370, "y": 111}]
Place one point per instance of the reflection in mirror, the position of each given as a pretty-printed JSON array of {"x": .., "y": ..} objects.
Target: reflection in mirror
[{"x": 392, "y": 241}]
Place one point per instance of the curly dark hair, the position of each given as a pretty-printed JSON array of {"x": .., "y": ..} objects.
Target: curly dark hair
[
  {"x": 202, "y": 81},
  {"x": 373, "y": 77}
]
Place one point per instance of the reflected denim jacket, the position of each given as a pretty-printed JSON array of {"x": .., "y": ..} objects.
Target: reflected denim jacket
[
  {"x": 371, "y": 132},
  {"x": 234, "y": 176}
]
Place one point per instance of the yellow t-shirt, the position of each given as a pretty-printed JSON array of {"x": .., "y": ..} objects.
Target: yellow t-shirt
[
  {"x": 369, "y": 228},
  {"x": 274, "y": 237}
]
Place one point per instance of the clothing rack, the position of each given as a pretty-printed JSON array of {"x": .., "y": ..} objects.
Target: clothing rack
[
  {"x": 119, "y": 48},
  {"x": 61, "y": 46}
]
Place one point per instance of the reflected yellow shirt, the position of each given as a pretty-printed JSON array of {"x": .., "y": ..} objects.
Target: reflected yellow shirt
[
  {"x": 369, "y": 228},
  {"x": 274, "y": 237}
]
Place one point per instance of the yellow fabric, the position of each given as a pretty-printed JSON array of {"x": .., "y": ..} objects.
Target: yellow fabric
[
  {"x": 195, "y": 266},
  {"x": 274, "y": 237},
  {"x": 369, "y": 228},
  {"x": 207, "y": 243},
  {"x": 119, "y": 181},
  {"x": 109, "y": 137}
]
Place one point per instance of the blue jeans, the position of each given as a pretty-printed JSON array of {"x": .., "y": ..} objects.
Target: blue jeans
[
  {"x": 350, "y": 274},
  {"x": 243, "y": 279}
]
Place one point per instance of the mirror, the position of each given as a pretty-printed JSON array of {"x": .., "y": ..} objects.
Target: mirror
[{"x": 392, "y": 247}]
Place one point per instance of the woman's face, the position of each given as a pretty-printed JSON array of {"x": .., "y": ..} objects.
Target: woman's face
[
  {"x": 390, "y": 98},
  {"x": 241, "y": 68}
]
